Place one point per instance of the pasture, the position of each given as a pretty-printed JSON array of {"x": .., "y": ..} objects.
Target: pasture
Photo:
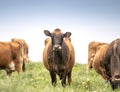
[{"x": 37, "y": 79}]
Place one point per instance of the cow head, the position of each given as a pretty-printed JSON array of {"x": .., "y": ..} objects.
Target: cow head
[
  {"x": 115, "y": 72},
  {"x": 57, "y": 38}
]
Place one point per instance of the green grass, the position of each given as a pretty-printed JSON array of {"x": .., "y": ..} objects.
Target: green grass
[{"x": 37, "y": 79}]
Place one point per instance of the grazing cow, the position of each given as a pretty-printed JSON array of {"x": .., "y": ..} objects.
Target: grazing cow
[
  {"x": 10, "y": 60},
  {"x": 25, "y": 50},
  {"x": 112, "y": 63},
  {"x": 98, "y": 63},
  {"x": 93, "y": 47},
  {"x": 58, "y": 56}
]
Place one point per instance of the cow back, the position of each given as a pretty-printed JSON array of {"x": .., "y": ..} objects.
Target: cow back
[{"x": 93, "y": 47}]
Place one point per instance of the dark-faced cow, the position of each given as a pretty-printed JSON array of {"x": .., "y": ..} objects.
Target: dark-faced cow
[
  {"x": 10, "y": 57},
  {"x": 93, "y": 47},
  {"x": 112, "y": 63},
  {"x": 58, "y": 56},
  {"x": 98, "y": 63},
  {"x": 25, "y": 50}
]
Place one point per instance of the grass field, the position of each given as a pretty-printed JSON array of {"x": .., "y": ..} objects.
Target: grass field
[{"x": 37, "y": 79}]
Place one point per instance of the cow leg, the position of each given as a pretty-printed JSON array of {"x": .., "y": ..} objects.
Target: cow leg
[
  {"x": 60, "y": 76},
  {"x": 18, "y": 67},
  {"x": 9, "y": 73},
  {"x": 23, "y": 66},
  {"x": 53, "y": 77},
  {"x": 64, "y": 79},
  {"x": 88, "y": 67},
  {"x": 69, "y": 77},
  {"x": 90, "y": 63}
]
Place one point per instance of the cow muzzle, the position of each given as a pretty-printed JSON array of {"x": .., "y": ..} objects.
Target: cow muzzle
[
  {"x": 57, "y": 47},
  {"x": 116, "y": 77},
  {"x": 115, "y": 83}
]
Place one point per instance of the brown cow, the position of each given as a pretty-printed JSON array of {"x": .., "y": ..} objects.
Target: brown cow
[
  {"x": 25, "y": 50},
  {"x": 93, "y": 47},
  {"x": 112, "y": 63},
  {"x": 10, "y": 60},
  {"x": 58, "y": 56},
  {"x": 98, "y": 63}
]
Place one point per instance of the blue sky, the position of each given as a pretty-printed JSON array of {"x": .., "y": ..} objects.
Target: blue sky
[{"x": 87, "y": 20}]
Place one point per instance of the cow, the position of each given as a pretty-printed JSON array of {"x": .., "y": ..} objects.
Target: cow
[
  {"x": 48, "y": 39},
  {"x": 59, "y": 56},
  {"x": 25, "y": 51},
  {"x": 93, "y": 47},
  {"x": 10, "y": 59},
  {"x": 112, "y": 63},
  {"x": 98, "y": 63}
]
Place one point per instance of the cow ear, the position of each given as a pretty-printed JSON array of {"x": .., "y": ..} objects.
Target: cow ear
[
  {"x": 67, "y": 34},
  {"x": 47, "y": 33}
]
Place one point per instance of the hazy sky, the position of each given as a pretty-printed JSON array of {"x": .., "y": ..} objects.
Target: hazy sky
[{"x": 87, "y": 20}]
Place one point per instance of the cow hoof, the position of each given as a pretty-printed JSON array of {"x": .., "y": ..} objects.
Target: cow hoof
[
  {"x": 63, "y": 84},
  {"x": 54, "y": 84}
]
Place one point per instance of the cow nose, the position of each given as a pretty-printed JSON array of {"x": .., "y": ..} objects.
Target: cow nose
[
  {"x": 116, "y": 77},
  {"x": 57, "y": 47}
]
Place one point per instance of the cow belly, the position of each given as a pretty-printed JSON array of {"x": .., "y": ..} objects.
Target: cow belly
[{"x": 59, "y": 68}]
